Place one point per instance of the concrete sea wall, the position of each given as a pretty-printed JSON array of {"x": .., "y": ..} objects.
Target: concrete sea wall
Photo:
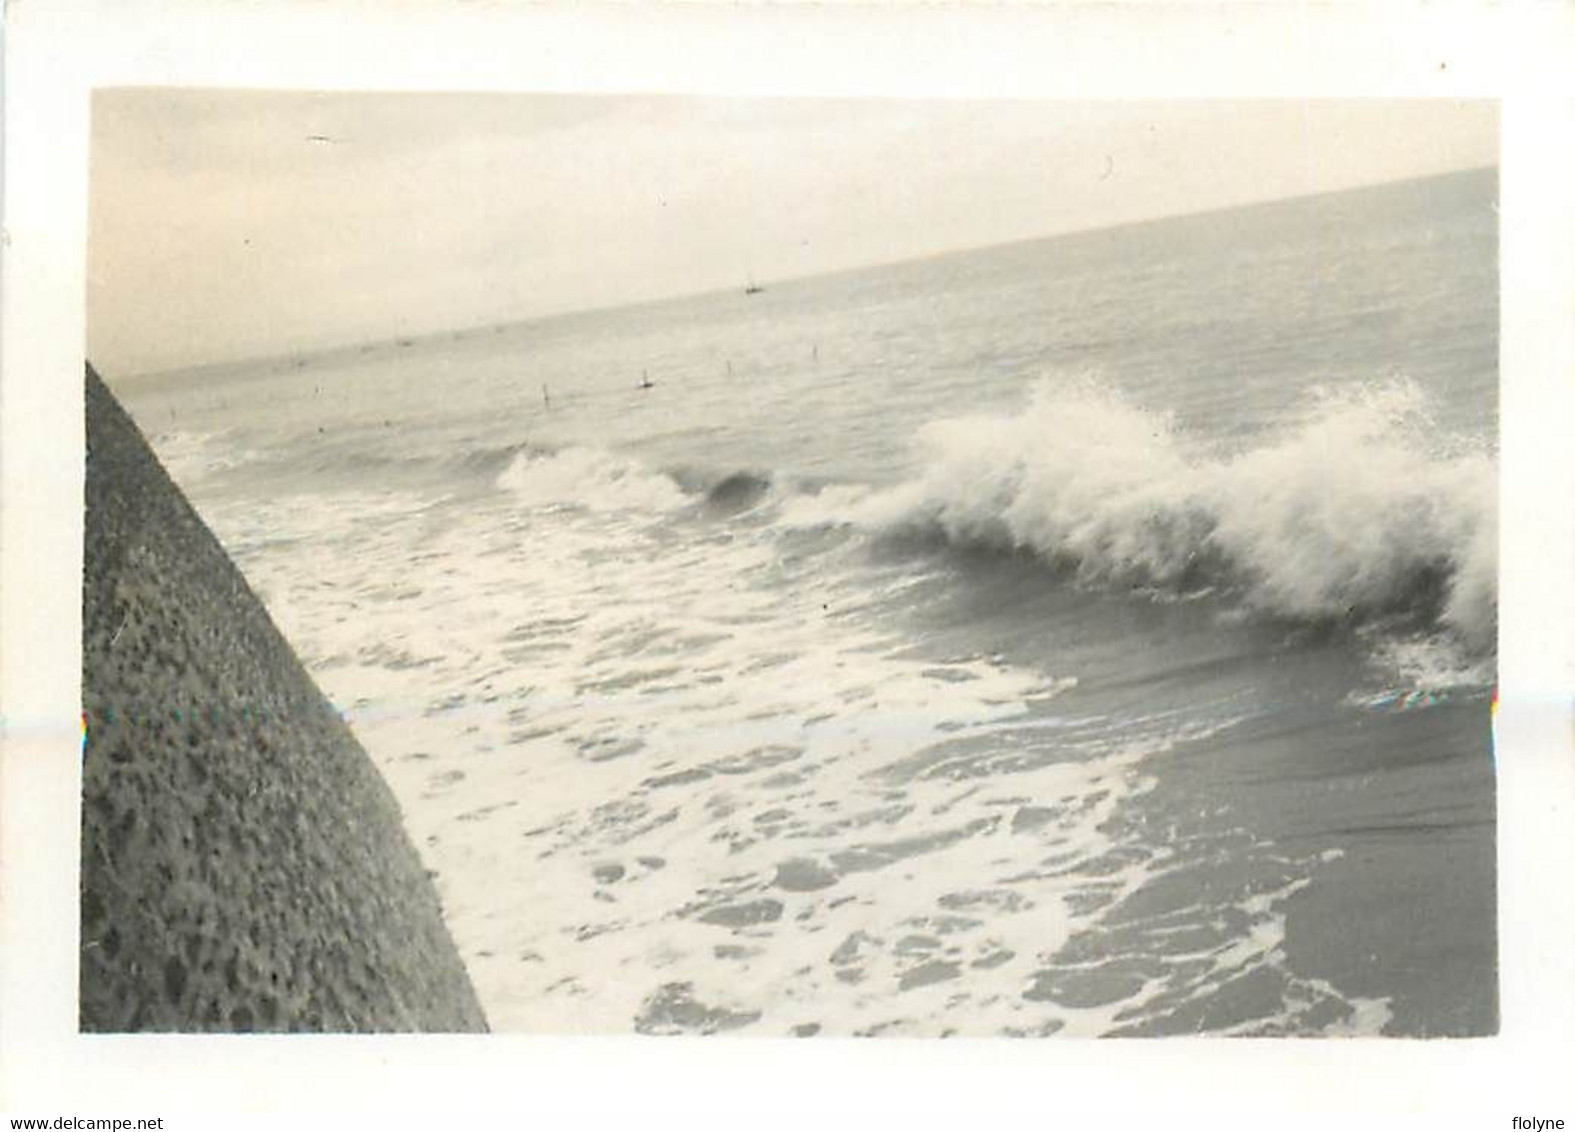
[{"x": 244, "y": 866}]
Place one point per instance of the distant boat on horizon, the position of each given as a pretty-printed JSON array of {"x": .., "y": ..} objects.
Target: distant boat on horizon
[{"x": 752, "y": 288}]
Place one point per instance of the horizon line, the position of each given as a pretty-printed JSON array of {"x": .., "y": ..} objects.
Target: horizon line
[{"x": 473, "y": 329}]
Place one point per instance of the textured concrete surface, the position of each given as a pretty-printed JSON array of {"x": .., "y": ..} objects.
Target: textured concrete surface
[{"x": 243, "y": 863}]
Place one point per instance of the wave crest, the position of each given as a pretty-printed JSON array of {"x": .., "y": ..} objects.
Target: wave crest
[
  {"x": 591, "y": 479},
  {"x": 1355, "y": 511}
]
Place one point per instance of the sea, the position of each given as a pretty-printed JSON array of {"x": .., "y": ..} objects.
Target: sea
[{"x": 1091, "y": 635}]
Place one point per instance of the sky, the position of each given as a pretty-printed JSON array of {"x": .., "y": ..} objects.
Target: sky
[{"x": 229, "y": 224}]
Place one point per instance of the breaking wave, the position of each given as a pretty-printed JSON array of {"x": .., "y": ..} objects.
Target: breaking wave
[
  {"x": 591, "y": 479},
  {"x": 1358, "y": 510},
  {"x": 1354, "y": 512}
]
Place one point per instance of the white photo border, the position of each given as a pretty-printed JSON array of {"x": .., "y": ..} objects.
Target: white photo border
[{"x": 59, "y": 51}]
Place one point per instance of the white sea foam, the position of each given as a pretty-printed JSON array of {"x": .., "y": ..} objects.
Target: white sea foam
[
  {"x": 799, "y": 820},
  {"x": 679, "y": 766},
  {"x": 589, "y": 478},
  {"x": 1353, "y": 511},
  {"x": 678, "y": 786},
  {"x": 190, "y": 455}
]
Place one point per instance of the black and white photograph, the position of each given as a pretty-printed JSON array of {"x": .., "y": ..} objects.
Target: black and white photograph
[
  {"x": 790, "y": 567},
  {"x": 785, "y": 564}
]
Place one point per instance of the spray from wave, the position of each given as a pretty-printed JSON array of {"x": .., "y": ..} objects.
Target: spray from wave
[
  {"x": 590, "y": 479},
  {"x": 1357, "y": 511}
]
